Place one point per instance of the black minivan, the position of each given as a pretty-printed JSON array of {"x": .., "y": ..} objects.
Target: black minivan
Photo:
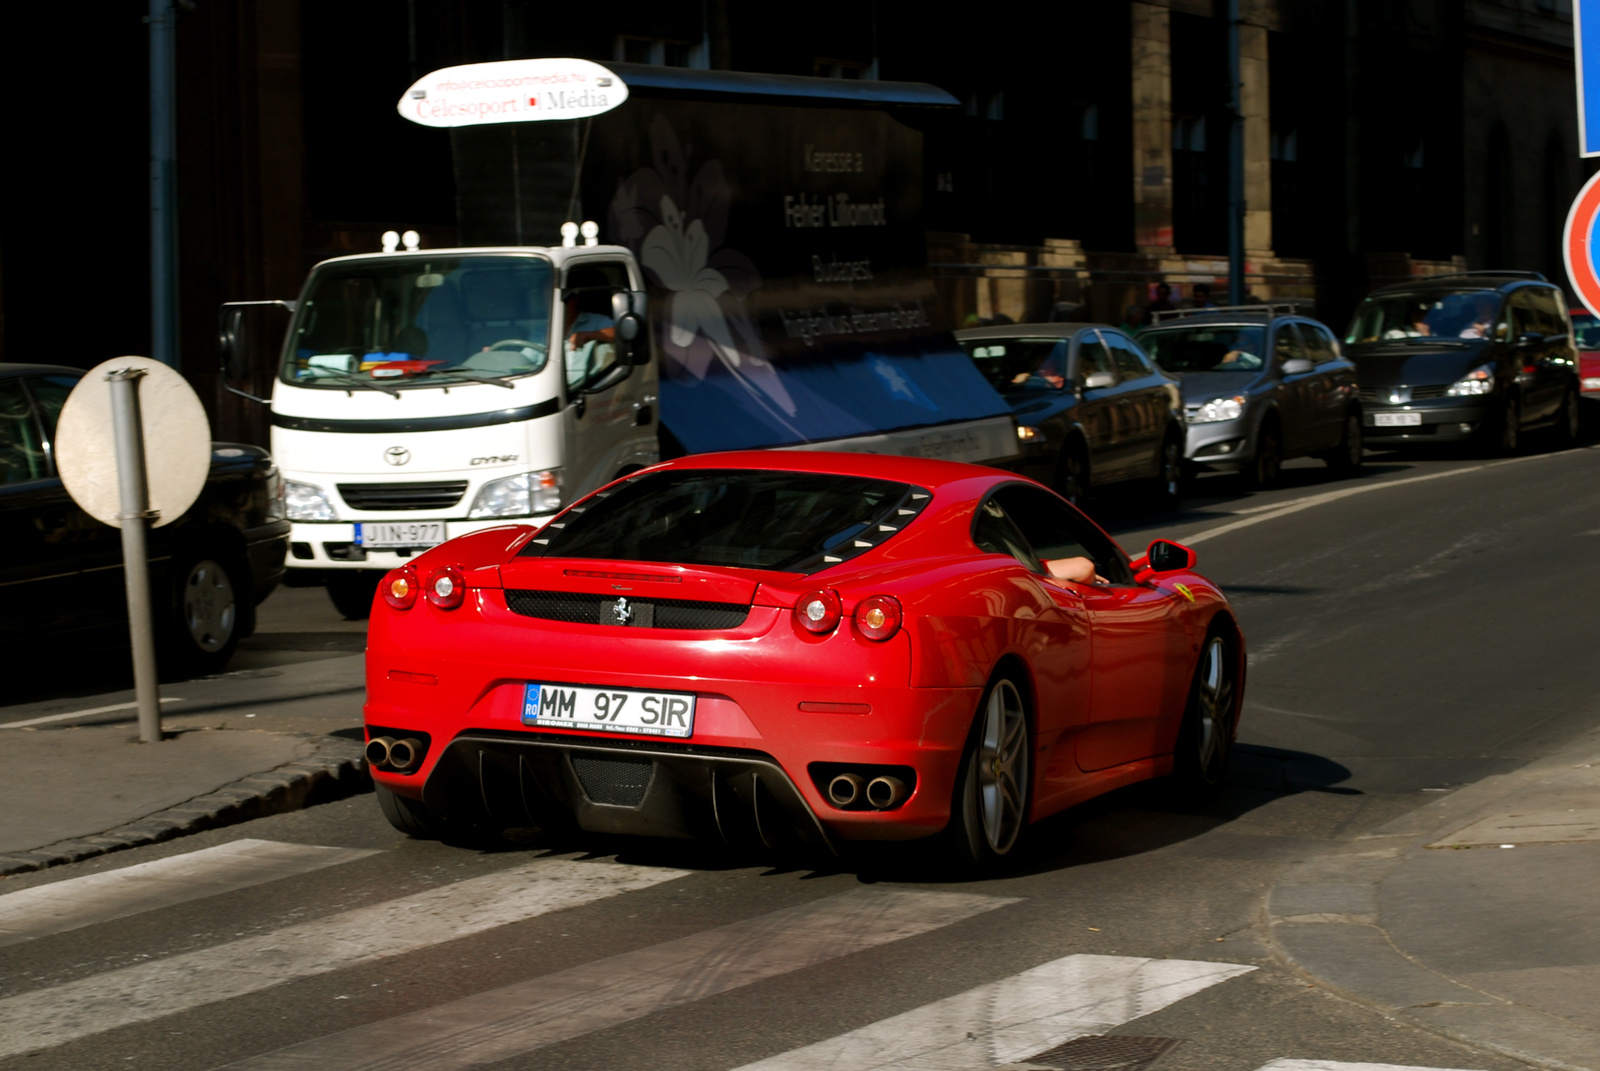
[{"x": 1478, "y": 356}]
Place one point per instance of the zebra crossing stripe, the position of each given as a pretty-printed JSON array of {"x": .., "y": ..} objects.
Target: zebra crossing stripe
[
  {"x": 62, "y": 1013},
  {"x": 132, "y": 890},
  {"x": 1009, "y": 1020},
  {"x": 515, "y": 1019},
  {"x": 1333, "y": 1065}
]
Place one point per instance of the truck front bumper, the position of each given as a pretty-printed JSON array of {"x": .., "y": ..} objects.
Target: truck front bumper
[{"x": 332, "y": 544}]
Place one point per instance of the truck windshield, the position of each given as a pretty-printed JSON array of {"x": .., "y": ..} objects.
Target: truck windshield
[
  {"x": 1211, "y": 348},
  {"x": 421, "y": 318},
  {"x": 747, "y": 518},
  {"x": 1427, "y": 314}
]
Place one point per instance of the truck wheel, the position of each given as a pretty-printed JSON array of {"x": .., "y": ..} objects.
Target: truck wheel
[
  {"x": 409, "y": 816},
  {"x": 202, "y": 613},
  {"x": 352, "y": 590}
]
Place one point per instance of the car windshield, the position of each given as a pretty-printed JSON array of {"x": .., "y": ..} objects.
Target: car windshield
[
  {"x": 384, "y": 322},
  {"x": 1014, "y": 365},
  {"x": 744, "y": 518},
  {"x": 1207, "y": 348},
  {"x": 1423, "y": 314},
  {"x": 1586, "y": 330}
]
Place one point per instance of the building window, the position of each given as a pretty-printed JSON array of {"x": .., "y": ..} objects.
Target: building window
[
  {"x": 1285, "y": 146},
  {"x": 985, "y": 105},
  {"x": 1089, "y": 122},
  {"x": 823, "y": 67},
  {"x": 1189, "y": 133},
  {"x": 661, "y": 52}
]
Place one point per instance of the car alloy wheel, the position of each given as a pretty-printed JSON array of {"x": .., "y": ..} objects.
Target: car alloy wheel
[
  {"x": 210, "y": 609},
  {"x": 1071, "y": 474},
  {"x": 1569, "y": 421},
  {"x": 1346, "y": 459},
  {"x": 1213, "y": 711},
  {"x": 1002, "y": 767},
  {"x": 1263, "y": 472},
  {"x": 1170, "y": 477},
  {"x": 1511, "y": 426}
]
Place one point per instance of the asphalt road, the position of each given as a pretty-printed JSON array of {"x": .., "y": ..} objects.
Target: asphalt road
[{"x": 1410, "y": 631}]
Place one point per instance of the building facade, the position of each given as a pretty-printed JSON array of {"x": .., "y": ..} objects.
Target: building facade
[{"x": 1087, "y": 162}]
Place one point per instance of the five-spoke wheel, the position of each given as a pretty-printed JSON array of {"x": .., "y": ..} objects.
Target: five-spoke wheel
[{"x": 991, "y": 804}]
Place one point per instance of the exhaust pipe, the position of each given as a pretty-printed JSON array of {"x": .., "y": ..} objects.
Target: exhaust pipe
[
  {"x": 844, "y": 789},
  {"x": 378, "y": 750},
  {"x": 885, "y": 792},
  {"x": 404, "y": 755}
]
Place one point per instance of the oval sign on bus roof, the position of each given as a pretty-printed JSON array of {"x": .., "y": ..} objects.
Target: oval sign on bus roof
[{"x": 512, "y": 91}]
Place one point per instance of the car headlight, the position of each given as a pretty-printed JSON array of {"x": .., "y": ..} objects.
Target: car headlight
[
  {"x": 1478, "y": 381},
  {"x": 307, "y": 502},
  {"x": 521, "y": 495},
  {"x": 1218, "y": 409},
  {"x": 1027, "y": 435}
]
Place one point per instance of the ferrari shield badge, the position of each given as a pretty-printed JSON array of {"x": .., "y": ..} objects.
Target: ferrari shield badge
[{"x": 1183, "y": 589}]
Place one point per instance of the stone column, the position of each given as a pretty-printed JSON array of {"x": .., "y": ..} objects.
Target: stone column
[
  {"x": 1254, "y": 99},
  {"x": 1152, "y": 127}
]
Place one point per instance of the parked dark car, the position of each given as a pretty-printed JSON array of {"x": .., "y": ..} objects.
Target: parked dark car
[
  {"x": 1481, "y": 356},
  {"x": 61, "y": 570},
  {"x": 1261, "y": 383},
  {"x": 1091, "y": 407},
  {"x": 1586, "y": 334}
]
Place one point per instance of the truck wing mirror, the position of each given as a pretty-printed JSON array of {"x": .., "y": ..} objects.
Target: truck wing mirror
[
  {"x": 233, "y": 350},
  {"x": 628, "y": 310}
]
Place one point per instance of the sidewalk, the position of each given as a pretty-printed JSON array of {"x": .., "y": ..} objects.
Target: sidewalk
[
  {"x": 239, "y": 746},
  {"x": 1476, "y": 917}
]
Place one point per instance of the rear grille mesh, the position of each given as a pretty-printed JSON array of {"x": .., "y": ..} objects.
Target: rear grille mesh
[
  {"x": 619, "y": 782},
  {"x": 580, "y": 609},
  {"x": 402, "y": 496}
]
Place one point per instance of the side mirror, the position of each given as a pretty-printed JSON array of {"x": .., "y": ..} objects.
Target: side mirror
[
  {"x": 1099, "y": 380},
  {"x": 1528, "y": 340},
  {"x": 1165, "y": 556},
  {"x": 1296, "y": 366},
  {"x": 628, "y": 310},
  {"x": 235, "y": 362}
]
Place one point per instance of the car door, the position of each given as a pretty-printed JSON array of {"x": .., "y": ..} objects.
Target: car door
[
  {"x": 40, "y": 580},
  {"x": 1096, "y": 411},
  {"x": 1551, "y": 370},
  {"x": 1335, "y": 384},
  {"x": 1148, "y": 397},
  {"x": 1135, "y": 648},
  {"x": 1054, "y": 634},
  {"x": 612, "y": 428},
  {"x": 1297, "y": 393}
]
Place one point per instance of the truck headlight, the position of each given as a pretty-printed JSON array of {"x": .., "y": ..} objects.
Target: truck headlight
[
  {"x": 307, "y": 502},
  {"x": 1218, "y": 409},
  {"x": 277, "y": 507},
  {"x": 521, "y": 495},
  {"x": 1478, "y": 381}
]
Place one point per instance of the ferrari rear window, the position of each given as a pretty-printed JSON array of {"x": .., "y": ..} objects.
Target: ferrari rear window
[{"x": 787, "y": 521}]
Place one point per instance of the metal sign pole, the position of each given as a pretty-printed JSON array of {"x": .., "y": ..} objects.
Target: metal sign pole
[{"x": 128, "y": 434}]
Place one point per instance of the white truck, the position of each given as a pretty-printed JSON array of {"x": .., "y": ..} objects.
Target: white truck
[{"x": 766, "y": 288}]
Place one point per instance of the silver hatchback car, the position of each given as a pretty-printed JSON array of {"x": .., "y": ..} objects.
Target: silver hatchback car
[{"x": 1260, "y": 384}]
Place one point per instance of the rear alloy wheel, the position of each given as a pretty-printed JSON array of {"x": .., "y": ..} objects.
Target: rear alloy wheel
[
  {"x": 1206, "y": 737},
  {"x": 1169, "y": 477},
  {"x": 1267, "y": 464},
  {"x": 1568, "y": 421},
  {"x": 202, "y": 629},
  {"x": 1346, "y": 459},
  {"x": 991, "y": 800},
  {"x": 352, "y": 591},
  {"x": 1072, "y": 473}
]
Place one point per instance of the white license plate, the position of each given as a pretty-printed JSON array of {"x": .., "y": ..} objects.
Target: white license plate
[
  {"x": 400, "y": 533},
  {"x": 1397, "y": 420},
  {"x": 608, "y": 710}
]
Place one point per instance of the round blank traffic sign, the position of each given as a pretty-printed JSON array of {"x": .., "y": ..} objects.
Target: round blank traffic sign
[{"x": 177, "y": 442}]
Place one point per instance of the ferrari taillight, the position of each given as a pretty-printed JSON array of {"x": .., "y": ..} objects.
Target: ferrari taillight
[
  {"x": 818, "y": 611},
  {"x": 878, "y": 617},
  {"x": 400, "y": 588},
  {"x": 446, "y": 589}
]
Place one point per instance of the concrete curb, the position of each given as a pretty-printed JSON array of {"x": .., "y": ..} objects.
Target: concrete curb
[
  {"x": 335, "y": 769},
  {"x": 1324, "y": 919}
]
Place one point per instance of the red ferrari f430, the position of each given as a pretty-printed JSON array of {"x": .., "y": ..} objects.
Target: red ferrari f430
[{"x": 781, "y": 647}]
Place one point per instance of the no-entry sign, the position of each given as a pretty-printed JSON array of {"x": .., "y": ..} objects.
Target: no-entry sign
[{"x": 1580, "y": 243}]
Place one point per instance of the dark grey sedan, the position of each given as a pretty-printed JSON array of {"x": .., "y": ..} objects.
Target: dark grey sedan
[
  {"x": 1091, "y": 408},
  {"x": 1260, "y": 384}
]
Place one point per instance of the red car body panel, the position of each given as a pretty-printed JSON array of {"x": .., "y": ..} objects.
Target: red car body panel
[{"x": 1108, "y": 670}]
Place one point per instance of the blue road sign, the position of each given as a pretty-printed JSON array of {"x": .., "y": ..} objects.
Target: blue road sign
[{"x": 1586, "y": 46}]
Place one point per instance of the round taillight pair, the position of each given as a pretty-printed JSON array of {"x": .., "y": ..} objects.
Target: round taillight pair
[
  {"x": 877, "y": 618},
  {"x": 400, "y": 588},
  {"x": 818, "y": 611},
  {"x": 446, "y": 588}
]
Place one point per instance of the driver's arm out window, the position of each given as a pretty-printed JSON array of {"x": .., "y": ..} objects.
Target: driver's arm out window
[{"x": 1055, "y": 530}]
